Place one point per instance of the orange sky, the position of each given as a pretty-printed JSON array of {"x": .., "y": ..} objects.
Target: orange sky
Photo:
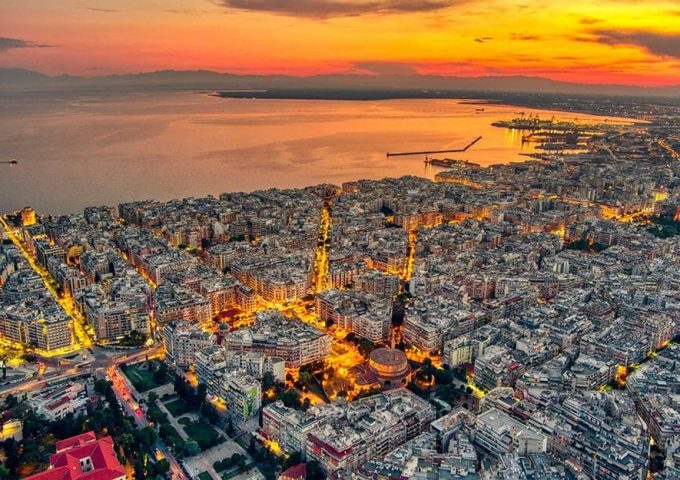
[{"x": 593, "y": 41}]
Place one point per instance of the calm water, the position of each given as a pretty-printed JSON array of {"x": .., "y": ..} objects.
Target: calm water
[{"x": 80, "y": 150}]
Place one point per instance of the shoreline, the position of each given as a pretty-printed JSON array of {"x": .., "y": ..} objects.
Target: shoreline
[
  {"x": 229, "y": 172},
  {"x": 462, "y": 100}
]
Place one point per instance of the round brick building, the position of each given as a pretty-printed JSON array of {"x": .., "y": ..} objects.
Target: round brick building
[{"x": 390, "y": 366}]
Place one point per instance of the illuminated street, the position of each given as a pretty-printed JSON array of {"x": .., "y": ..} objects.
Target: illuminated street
[
  {"x": 82, "y": 338},
  {"x": 500, "y": 308},
  {"x": 122, "y": 389}
]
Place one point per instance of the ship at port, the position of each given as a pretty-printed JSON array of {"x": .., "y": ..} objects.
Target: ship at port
[{"x": 535, "y": 123}]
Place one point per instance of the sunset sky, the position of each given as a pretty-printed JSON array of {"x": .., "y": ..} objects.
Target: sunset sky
[{"x": 589, "y": 41}]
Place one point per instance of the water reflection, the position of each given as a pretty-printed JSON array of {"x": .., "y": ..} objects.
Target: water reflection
[{"x": 79, "y": 150}]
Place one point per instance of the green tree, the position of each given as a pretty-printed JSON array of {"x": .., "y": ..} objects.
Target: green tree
[
  {"x": 290, "y": 398},
  {"x": 229, "y": 426},
  {"x": 200, "y": 394},
  {"x": 160, "y": 376},
  {"x": 448, "y": 393},
  {"x": 238, "y": 460},
  {"x": 443, "y": 376},
  {"x": 140, "y": 473},
  {"x": 210, "y": 413},
  {"x": 162, "y": 467},
  {"x": 11, "y": 401},
  {"x": 365, "y": 347},
  {"x": 191, "y": 448},
  {"x": 101, "y": 386},
  {"x": 128, "y": 443},
  {"x": 68, "y": 426},
  {"x": 30, "y": 357},
  {"x": 305, "y": 378},
  {"x": 33, "y": 424},
  {"x": 145, "y": 437},
  {"x": 292, "y": 460},
  {"x": 268, "y": 381},
  {"x": 314, "y": 471},
  {"x": 183, "y": 389},
  {"x": 12, "y": 455}
]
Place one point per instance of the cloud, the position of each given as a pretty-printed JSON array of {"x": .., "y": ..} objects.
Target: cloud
[
  {"x": 589, "y": 21},
  {"x": 11, "y": 43},
  {"x": 661, "y": 44},
  {"x": 337, "y": 8},
  {"x": 186, "y": 11},
  {"x": 101, "y": 10},
  {"x": 524, "y": 37}
]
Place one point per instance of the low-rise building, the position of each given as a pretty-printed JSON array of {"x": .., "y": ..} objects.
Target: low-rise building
[
  {"x": 54, "y": 403},
  {"x": 83, "y": 457}
]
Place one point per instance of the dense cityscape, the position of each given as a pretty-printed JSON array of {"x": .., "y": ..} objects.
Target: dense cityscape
[{"x": 517, "y": 321}]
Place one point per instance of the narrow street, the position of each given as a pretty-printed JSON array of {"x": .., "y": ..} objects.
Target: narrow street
[
  {"x": 320, "y": 280},
  {"x": 411, "y": 255},
  {"x": 122, "y": 388},
  {"x": 82, "y": 338}
]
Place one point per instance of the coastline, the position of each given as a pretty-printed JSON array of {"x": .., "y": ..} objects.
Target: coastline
[
  {"x": 558, "y": 103},
  {"x": 194, "y": 144}
]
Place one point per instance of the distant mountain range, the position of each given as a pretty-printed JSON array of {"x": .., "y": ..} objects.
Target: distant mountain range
[{"x": 19, "y": 79}]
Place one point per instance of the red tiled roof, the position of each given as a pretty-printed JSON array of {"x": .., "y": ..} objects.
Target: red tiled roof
[
  {"x": 81, "y": 439},
  {"x": 103, "y": 474},
  {"x": 59, "y": 403},
  {"x": 294, "y": 472},
  {"x": 65, "y": 464},
  {"x": 51, "y": 474}
]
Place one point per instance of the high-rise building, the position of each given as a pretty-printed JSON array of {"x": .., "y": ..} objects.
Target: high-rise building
[
  {"x": 274, "y": 334},
  {"x": 182, "y": 341}
]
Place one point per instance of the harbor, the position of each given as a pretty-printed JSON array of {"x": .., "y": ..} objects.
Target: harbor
[{"x": 450, "y": 163}]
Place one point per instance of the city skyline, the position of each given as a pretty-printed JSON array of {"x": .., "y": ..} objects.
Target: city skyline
[
  {"x": 631, "y": 42},
  {"x": 340, "y": 240}
]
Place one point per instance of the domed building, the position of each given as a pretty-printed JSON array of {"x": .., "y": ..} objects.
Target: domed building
[{"x": 390, "y": 367}]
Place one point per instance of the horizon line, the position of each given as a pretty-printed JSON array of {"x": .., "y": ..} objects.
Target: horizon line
[{"x": 376, "y": 75}]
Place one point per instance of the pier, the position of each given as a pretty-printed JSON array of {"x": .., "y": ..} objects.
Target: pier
[{"x": 432, "y": 152}]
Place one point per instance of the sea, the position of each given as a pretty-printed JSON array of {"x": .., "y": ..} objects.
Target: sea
[{"x": 77, "y": 149}]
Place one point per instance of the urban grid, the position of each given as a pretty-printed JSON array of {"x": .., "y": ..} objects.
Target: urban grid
[{"x": 517, "y": 321}]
